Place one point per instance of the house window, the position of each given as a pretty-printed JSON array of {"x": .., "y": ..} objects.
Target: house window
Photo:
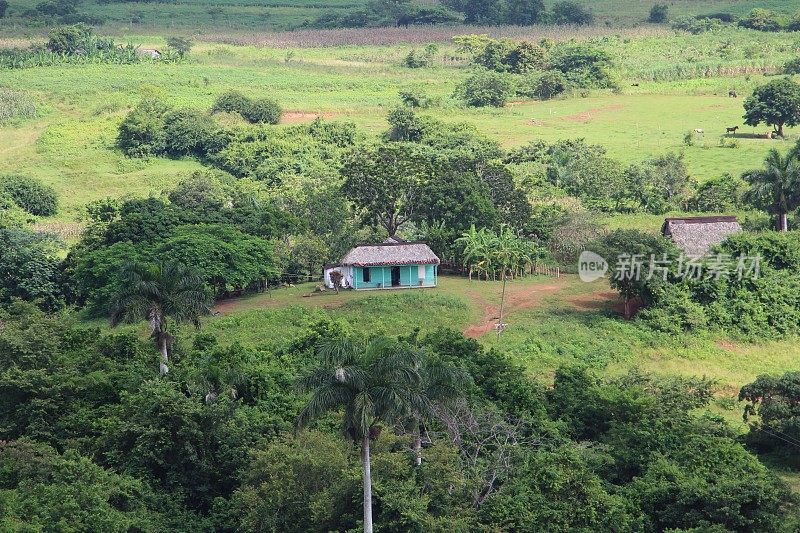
[{"x": 366, "y": 274}]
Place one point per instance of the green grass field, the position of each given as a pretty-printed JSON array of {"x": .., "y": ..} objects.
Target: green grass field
[{"x": 683, "y": 83}]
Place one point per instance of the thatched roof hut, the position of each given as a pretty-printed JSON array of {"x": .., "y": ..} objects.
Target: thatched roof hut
[
  {"x": 394, "y": 263},
  {"x": 697, "y": 235},
  {"x": 392, "y": 251}
]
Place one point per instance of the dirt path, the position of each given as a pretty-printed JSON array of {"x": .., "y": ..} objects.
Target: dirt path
[{"x": 518, "y": 297}]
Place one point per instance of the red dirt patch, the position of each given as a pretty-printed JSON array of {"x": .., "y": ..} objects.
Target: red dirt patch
[
  {"x": 517, "y": 298},
  {"x": 586, "y": 116},
  {"x": 292, "y": 117},
  {"x": 728, "y": 345}
]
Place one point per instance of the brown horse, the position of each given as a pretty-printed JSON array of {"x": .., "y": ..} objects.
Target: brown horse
[{"x": 731, "y": 130}]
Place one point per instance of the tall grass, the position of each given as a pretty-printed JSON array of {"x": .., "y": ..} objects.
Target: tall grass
[
  {"x": 15, "y": 105},
  {"x": 424, "y": 34}
]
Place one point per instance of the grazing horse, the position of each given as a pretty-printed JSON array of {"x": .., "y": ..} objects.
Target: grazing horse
[
  {"x": 732, "y": 93},
  {"x": 731, "y": 130}
]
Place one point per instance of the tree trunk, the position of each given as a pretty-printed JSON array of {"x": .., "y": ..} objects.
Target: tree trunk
[
  {"x": 367, "y": 478},
  {"x": 626, "y": 309},
  {"x": 502, "y": 304},
  {"x": 783, "y": 222},
  {"x": 416, "y": 446},
  {"x": 780, "y": 130},
  {"x": 162, "y": 347}
]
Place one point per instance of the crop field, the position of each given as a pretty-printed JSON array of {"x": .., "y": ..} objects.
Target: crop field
[{"x": 681, "y": 87}]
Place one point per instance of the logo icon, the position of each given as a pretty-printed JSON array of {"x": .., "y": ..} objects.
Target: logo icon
[{"x": 591, "y": 266}]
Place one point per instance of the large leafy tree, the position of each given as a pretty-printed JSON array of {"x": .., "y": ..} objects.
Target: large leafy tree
[
  {"x": 776, "y": 104},
  {"x": 157, "y": 293},
  {"x": 776, "y": 187},
  {"x": 384, "y": 181},
  {"x": 773, "y": 411},
  {"x": 370, "y": 384},
  {"x": 29, "y": 267},
  {"x": 638, "y": 262}
]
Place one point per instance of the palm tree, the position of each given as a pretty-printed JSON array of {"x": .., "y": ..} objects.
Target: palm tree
[
  {"x": 370, "y": 383},
  {"x": 157, "y": 293},
  {"x": 441, "y": 384},
  {"x": 776, "y": 187}
]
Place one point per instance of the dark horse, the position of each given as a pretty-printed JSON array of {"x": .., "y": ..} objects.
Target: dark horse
[
  {"x": 732, "y": 93},
  {"x": 731, "y": 130}
]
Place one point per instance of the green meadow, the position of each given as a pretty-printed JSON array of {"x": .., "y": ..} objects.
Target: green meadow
[{"x": 665, "y": 91}]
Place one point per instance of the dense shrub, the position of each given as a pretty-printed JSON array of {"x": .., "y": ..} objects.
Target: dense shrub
[
  {"x": 519, "y": 12},
  {"x": 190, "y": 132},
  {"x": 142, "y": 133},
  {"x": 417, "y": 59},
  {"x": 263, "y": 111},
  {"x": 757, "y": 302},
  {"x": 762, "y": 20},
  {"x": 30, "y": 194},
  {"x": 792, "y": 66},
  {"x": 569, "y": 12},
  {"x": 773, "y": 413},
  {"x": 718, "y": 195},
  {"x": 697, "y": 25},
  {"x": 583, "y": 65},
  {"x": 29, "y": 268},
  {"x": 658, "y": 13},
  {"x": 485, "y": 88},
  {"x": 258, "y": 111},
  {"x": 230, "y": 102},
  {"x": 543, "y": 85}
]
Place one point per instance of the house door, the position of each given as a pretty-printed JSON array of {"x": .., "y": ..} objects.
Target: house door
[{"x": 395, "y": 276}]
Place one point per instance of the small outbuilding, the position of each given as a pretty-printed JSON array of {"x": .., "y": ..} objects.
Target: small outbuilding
[
  {"x": 697, "y": 235},
  {"x": 149, "y": 52},
  {"x": 393, "y": 264}
]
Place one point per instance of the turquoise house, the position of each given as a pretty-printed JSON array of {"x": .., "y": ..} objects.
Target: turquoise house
[{"x": 392, "y": 264}]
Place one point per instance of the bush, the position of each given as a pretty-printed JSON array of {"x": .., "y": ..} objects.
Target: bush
[
  {"x": 695, "y": 25},
  {"x": 230, "y": 102},
  {"x": 485, "y": 88},
  {"x": 583, "y": 65},
  {"x": 29, "y": 268},
  {"x": 792, "y": 66},
  {"x": 658, "y": 13},
  {"x": 416, "y": 59},
  {"x": 188, "y": 132},
  {"x": 141, "y": 133},
  {"x": 720, "y": 194},
  {"x": 68, "y": 39},
  {"x": 762, "y": 20},
  {"x": 263, "y": 111},
  {"x": 569, "y": 12},
  {"x": 31, "y": 195},
  {"x": 543, "y": 85}
]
